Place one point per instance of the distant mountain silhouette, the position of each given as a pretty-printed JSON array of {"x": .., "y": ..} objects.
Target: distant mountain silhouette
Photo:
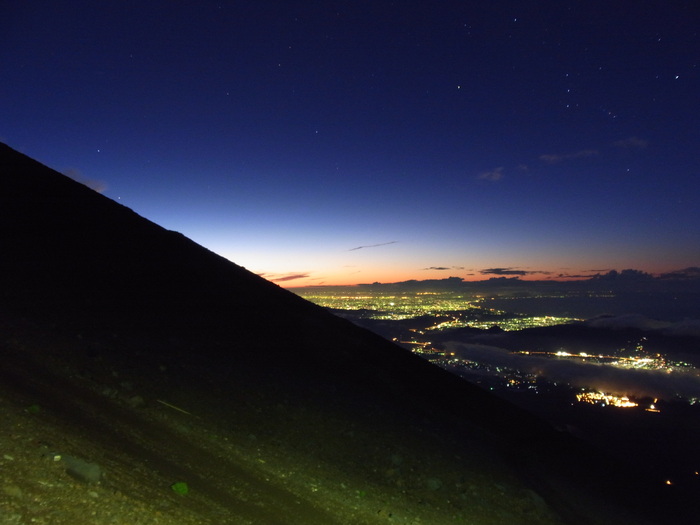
[{"x": 89, "y": 286}]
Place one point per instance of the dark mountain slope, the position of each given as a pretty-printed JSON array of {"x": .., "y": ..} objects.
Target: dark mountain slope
[{"x": 162, "y": 361}]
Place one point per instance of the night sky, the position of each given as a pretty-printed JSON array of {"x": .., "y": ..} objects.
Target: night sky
[{"x": 341, "y": 142}]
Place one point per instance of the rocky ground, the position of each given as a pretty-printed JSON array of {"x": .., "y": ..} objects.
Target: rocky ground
[{"x": 87, "y": 439}]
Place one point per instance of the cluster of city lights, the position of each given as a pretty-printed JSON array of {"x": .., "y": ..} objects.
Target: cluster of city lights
[
  {"x": 452, "y": 309},
  {"x": 449, "y": 310},
  {"x": 603, "y": 399},
  {"x": 393, "y": 306}
]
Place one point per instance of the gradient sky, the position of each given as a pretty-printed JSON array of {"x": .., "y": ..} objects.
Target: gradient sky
[{"x": 341, "y": 142}]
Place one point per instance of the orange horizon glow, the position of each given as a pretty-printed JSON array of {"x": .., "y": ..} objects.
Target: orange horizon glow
[{"x": 398, "y": 277}]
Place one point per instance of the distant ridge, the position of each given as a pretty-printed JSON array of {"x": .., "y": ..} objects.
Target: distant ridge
[{"x": 79, "y": 267}]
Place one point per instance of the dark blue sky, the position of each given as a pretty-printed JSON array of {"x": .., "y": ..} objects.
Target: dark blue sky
[{"x": 549, "y": 137}]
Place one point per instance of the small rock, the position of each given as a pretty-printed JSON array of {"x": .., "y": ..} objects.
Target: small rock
[
  {"x": 109, "y": 392},
  {"x": 135, "y": 402},
  {"x": 434, "y": 484},
  {"x": 12, "y": 490},
  {"x": 82, "y": 470}
]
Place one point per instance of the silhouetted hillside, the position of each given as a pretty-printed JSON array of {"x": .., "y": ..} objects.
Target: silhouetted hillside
[{"x": 131, "y": 347}]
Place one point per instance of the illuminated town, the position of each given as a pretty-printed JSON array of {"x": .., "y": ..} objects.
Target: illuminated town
[
  {"x": 419, "y": 316},
  {"x": 390, "y": 306},
  {"x": 450, "y": 310},
  {"x": 600, "y": 398}
]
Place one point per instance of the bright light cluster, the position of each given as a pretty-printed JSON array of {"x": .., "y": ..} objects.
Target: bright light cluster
[
  {"x": 601, "y": 398},
  {"x": 458, "y": 310}
]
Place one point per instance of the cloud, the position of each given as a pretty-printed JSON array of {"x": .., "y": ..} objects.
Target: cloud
[
  {"x": 627, "y": 275},
  {"x": 502, "y": 271},
  {"x": 632, "y": 143},
  {"x": 97, "y": 185},
  {"x": 684, "y": 328},
  {"x": 690, "y": 273},
  {"x": 494, "y": 175},
  {"x": 372, "y": 246},
  {"x": 627, "y": 321},
  {"x": 444, "y": 268},
  {"x": 605, "y": 378},
  {"x": 290, "y": 277},
  {"x": 556, "y": 158}
]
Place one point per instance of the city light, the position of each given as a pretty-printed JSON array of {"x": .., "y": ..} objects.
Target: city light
[{"x": 603, "y": 399}]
